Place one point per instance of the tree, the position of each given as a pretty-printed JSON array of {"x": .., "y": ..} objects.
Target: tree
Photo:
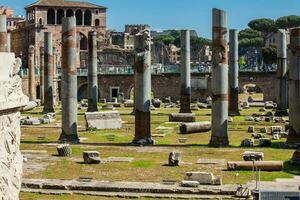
[
  {"x": 200, "y": 41},
  {"x": 249, "y": 33},
  {"x": 288, "y": 22},
  {"x": 166, "y": 39},
  {"x": 269, "y": 54},
  {"x": 264, "y": 25},
  {"x": 252, "y": 42}
]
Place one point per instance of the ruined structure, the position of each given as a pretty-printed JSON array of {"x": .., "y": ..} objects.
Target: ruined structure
[
  {"x": 294, "y": 88},
  {"x": 233, "y": 73},
  {"x": 142, "y": 88},
  {"x": 12, "y": 100},
  {"x": 185, "y": 68},
  {"x": 48, "y": 74},
  {"x": 69, "y": 81},
  {"x": 42, "y": 76},
  {"x": 3, "y": 34},
  {"x": 92, "y": 74},
  {"x": 282, "y": 104},
  {"x": 219, "y": 135}
]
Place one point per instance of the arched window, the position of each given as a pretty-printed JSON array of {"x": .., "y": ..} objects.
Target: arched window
[
  {"x": 70, "y": 13},
  {"x": 51, "y": 16},
  {"x": 83, "y": 42},
  {"x": 60, "y": 14},
  {"x": 88, "y": 18},
  {"x": 40, "y": 21},
  {"x": 78, "y": 17},
  {"x": 97, "y": 22}
]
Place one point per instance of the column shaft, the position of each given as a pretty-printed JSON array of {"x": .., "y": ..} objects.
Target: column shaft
[
  {"x": 294, "y": 88},
  {"x": 185, "y": 93},
  {"x": 69, "y": 81},
  {"x": 31, "y": 74},
  {"x": 48, "y": 73},
  {"x": 42, "y": 76},
  {"x": 3, "y": 33},
  {"x": 9, "y": 42},
  {"x": 233, "y": 73},
  {"x": 92, "y": 74},
  {"x": 282, "y": 105},
  {"x": 142, "y": 87},
  {"x": 219, "y": 135}
]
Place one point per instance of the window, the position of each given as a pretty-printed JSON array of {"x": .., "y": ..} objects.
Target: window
[
  {"x": 97, "y": 22},
  {"x": 51, "y": 16},
  {"x": 78, "y": 15},
  {"x": 60, "y": 14},
  {"x": 88, "y": 18}
]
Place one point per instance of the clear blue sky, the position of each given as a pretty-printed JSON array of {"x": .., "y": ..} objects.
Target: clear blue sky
[{"x": 177, "y": 14}]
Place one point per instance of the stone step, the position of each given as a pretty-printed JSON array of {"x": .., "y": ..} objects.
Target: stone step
[
  {"x": 125, "y": 194},
  {"x": 125, "y": 187}
]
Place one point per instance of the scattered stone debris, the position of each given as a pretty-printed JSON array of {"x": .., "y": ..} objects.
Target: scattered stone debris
[
  {"x": 269, "y": 105},
  {"x": 250, "y": 165},
  {"x": 185, "y": 183},
  {"x": 247, "y": 143},
  {"x": 202, "y": 105},
  {"x": 243, "y": 192},
  {"x": 265, "y": 142},
  {"x": 108, "y": 107},
  {"x": 156, "y": 103},
  {"x": 251, "y": 129},
  {"x": 250, "y": 156},
  {"x": 182, "y": 117},
  {"x": 276, "y": 137},
  {"x": 195, "y": 127},
  {"x": 103, "y": 120},
  {"x": 263, "y": 130},
  {"x": 276, "y": 129},
  {"x": 84, "y": 103},
  {"x": 30, "y": 121},
  {"x": 128, "y": 103},
  {"x": 64, "y": 150},
  {"x": 249, "y": 118},
  {"x": 258, "y": 135},
  {"x": 204, "y": 178},
  {"x": 91, "y": 157},
  {"x": 174, "y": 159},
  {"x": 47, "y": 118}
]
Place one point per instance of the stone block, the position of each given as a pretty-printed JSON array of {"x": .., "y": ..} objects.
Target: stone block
[
  {"x": 276, "y": 137},
  {"x": 269, "y": 105},
  {"x": 185, "y": 183},
  {"x": 64, "y": 150},
  {"x": 91, "y": 157},
  {"x": 108, "y": 107},
  {"x": 251, "y": 129},
  {"x": 103, "y": 120},
  {"x": 250, "y": 156},
  {"x": 249, "y": 119},
  {"x": 174, "y": 159},
  {"x": 276, "y": 129},
  {"x": 129, "y": 104},
  {"x": 156, "y": 103},
  {"x": 204, "y": 178},
  {"x": 263, "y": 130},
  {"x": 258, "y": 135},
  {"x": 247, "y": 143},
  {"x": 265, "y": 142}
]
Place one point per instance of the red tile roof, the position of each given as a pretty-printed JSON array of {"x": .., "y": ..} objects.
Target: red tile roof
[{"x": 64, "y": 3}]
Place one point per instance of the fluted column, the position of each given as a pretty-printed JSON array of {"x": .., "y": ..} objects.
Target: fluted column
[
  {"x": 31, "y": 74},
  {"x": 42, "y": 76}
]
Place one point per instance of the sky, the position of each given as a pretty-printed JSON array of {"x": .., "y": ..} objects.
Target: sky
[{"x": 183, "y": 14}]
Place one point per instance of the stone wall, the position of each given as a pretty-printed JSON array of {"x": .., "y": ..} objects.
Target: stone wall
[{"x": 12, "y": 100}]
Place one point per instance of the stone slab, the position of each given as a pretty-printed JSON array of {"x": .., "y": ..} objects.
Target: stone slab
[
  {"x": 103, "y": 120},
  {"x": 118, "y": 159}
]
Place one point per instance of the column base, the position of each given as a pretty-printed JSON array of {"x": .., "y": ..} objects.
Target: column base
[
  {"x": 185, "y": 110},
  {"x": 92, "y": 109},
  {"x": 73, "y": 139},
  {"x": 143, "y": 142},
  {"x": 219, "y": 142},
  {"x": 182, "y": 117},
  {"x": 293, "y": 139},
  {"x": 281, "y": 113}
]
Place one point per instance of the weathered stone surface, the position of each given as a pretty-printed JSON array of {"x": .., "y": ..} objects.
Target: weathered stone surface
[
  {"x": 189, "y": 183},
  {"x": 265, "y": 142},
  {"x": 247, "y": 143},
  {"x": 129, "y": 104},
  {"x": 182, "y": 117},
  {"x": 251, "y": 129},
  {"x": 204, "y": 178},
  {"x": 103, "y": 120},
  {"x": 174, "y": 159},
  {"x": 64, "y": 150},
  {"x": 118, "y": 159},
  {"x": 250, "y": 156},
  {"x": 156, "y": 103},
  {"x": 276, "y": 129},
  {"x": 91, "y": 157},
  {"x": 12, "y": 100},
  {"x": 249, "y": 165},
  {"x": 30, "y": 121},
  {"x": 195, "y": 127}
]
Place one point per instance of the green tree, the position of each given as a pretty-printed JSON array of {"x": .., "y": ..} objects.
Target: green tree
[
  {"x": 166, "y": 39},
  {"x": 252, "y": 42},
  {"x": 264, "y": 25},
  {"x": 288, "y": 22},
  {"x": 269, "y": 54},
  {"x": 249, "y": 33}
]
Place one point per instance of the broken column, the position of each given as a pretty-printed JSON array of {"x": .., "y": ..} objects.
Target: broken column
[
  {"x": 3, "y": 34},
  {"x": 48, "y": 74},
  {"x": 31, "y": 74},
  {"x": 233, "y": 73},
  {"x": 219, "y": 135},
  {"x": 9, "y": 42},
  {"x": 12, "y": 100},
  {"x": 294, "y": 88},
  {"x": 185, "y": 74},
  {"x": 92, "y": 73},
  {"x": 142, "y": 88},
  {"x": 69, "y": 81},
  {"x": 282, "y": 104},
  {"x": 42, "y": 66}
]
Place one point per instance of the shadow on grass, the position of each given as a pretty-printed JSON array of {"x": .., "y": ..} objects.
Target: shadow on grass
[{"x": 291, "y": 169}]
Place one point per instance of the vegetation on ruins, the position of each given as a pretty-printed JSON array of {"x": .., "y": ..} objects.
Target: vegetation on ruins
[{"x": 288, "y": 22}]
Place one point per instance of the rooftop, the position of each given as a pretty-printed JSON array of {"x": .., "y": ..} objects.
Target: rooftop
[{"x": 64, "y": 3}]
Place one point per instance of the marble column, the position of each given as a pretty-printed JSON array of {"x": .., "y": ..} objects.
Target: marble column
[
  {"x": 42, "y": 76},
  {"x": 48, "y": 73},
  {"x": 9, "y": 42},
  {"x": 219, "y": 135},
  {"x": 233, "y": 73},
  {"x": 31, "y": 74},
  {"x": 92, "y": 73},
  {"x": 3, "y": 34},
  {"x": 69, "y": 81},
  {"x": 282, "y": 104},
  {"x": 142, "y": 88},
  {"x": 185, "y": 72},
  {"x": 294, "y": 88}
]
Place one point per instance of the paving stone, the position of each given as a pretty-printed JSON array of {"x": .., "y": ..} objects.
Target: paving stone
[{"x": 118, "y": 159}]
